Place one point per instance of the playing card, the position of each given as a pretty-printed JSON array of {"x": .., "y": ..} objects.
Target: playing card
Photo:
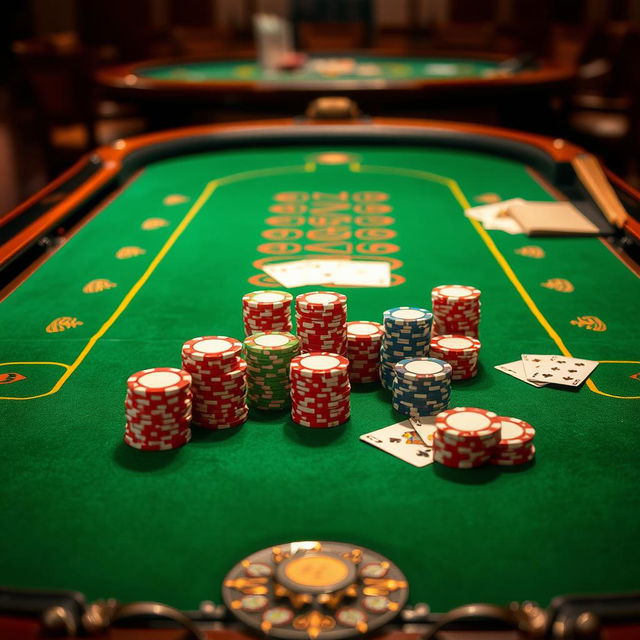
[
  {"x": 516, "y": 369},
  {"x": 364, "y": 273},
  {"x": 495, "y": 216},
  {"x": 402, "y": 441},
  {"x": 425, "y": 428},
  {"x": 292, "y": 274},
  {"x": 570, "y": 372}
]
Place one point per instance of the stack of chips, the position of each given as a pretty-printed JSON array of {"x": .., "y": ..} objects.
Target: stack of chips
[
  {"x": 456, "y": 310},
  {"x": 407, "y": 331},
  {"x": 266, "y": 311},
  {"x": 516, "y": 444},
  {"x": 421, "y": 387},
  {"x": 321, "y": 321},
  {"x": 461, "y": 352},
  {"x": 219, "y": 381},
  {"x": 320, "y": 390},
  {"x": 364, "y": 339},
  {"x": 465, "y": 437},
  {"x": 158, "y": 409},
  {"x": 268, "y": 357}
]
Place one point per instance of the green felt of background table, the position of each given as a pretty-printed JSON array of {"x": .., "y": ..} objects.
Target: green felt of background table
[
  {"x": 80, "y": 510},
  {"x": 391, "y": 70}
]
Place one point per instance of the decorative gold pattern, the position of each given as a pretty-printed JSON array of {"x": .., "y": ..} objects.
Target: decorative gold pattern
[
  {"x": 488, "y": 198},
  {"x": 558, "y": 284},
  {"x": 314, "y": 623},
  {"x": 62, "y": 324},
  {"x": 129, "y": 252},
  {"x": 154, "y": 223},
  {"x": 532, "y": 251},
  {"x": 98, "y": 285},
  {"x": 590, "y": 323},
  {"x": 635, "y": 376},
  {"x": 248, "y": 586},
  {"x": 382, "y": 586},
  {"x": 174, "y": 198}
]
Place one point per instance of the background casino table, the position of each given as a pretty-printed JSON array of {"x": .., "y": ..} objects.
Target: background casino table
[
  {"x": 154, "y": 240},
  {"x": 377, "y": 80}
]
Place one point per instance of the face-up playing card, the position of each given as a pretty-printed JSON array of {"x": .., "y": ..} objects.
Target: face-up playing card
[
  {"x": 292, "y": 274},
  {"x": 516, "y": 369},
  {"x": 496, "y": 215},
  {"x": 364, "y": 273},
  {"x": 402, "y": 441},
  {"x": 302, "y": 273},
  {"x": 570, "y": 372},
  {"x": 425, "y": 427}
]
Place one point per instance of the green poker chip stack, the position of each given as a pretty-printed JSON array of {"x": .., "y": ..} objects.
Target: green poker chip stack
[{"x": 268, "y": 355}]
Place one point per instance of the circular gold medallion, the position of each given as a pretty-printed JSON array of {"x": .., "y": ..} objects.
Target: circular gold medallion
[{"x": 316, "y": 570}]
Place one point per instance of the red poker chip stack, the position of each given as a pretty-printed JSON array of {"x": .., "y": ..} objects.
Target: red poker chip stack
[
  {"x": 456, "y": 310},
  {"x": 219, "y": 381},
  {"x": 321, "y": 321},
  {"x": 364, "y": 339},
  {"x": 266, "y": 311},
  {"x": 516, "y": 443},
  {"x": 465, "y": 437},
  {"x": 461, "y": 352},
  {"x": 320, "y": 390},
  {"x": 158, "y": 409}
]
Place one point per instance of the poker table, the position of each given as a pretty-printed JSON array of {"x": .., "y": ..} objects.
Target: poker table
[
  {"x": 153, "y": 240},
  {"x": 380, "y": 81}
]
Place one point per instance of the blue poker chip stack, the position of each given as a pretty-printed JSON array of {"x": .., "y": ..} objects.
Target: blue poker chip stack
[
  {"x": 422, "y": 386},
  {"x": 407, "y": 332}
]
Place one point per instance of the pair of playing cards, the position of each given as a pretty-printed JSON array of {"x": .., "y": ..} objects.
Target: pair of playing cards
[
  {"x": 302, "y": 273},
  {"x": 540, "y": 370},
  {"x": 496, "y": 215},
  {"x": 410, "y": 440}
]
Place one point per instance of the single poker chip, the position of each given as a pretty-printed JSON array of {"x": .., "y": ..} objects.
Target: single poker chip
[
  {"x": 423, "y": 369},
  {"x": 166, "y": 381},
  {"x": 468, "y": 422},
  {"x": 265, "y": 299},
  {"x": 455, "y": 344},
  {"x": 211, "y": 348},
  {"x": 455, "y": 293},
  {"x": 364, "y": 331},
  {"x": 319, "y": 364},
  {"x": 320, "y": 300},
  {"x": 271, "y": 342},
  {"x": 515, "y": 433}
]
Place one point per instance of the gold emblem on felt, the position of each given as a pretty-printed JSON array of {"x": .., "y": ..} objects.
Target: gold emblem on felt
[
  {"x": 154, "y": 223},
  {"x": 62, "y": 324},
  {"x": 98, "y": 285},
  {"x": 558, "y": 284},
  {"x": 635, "y": 376},
  {"x": 129, "y": 252},
  {"x": 488, "y": 198},
  {"x": 174, "y": 198},
  {"x": 531, "y": 251},
  {"x": 590, "y": 323},
  {"x": 8, "y": 378}
]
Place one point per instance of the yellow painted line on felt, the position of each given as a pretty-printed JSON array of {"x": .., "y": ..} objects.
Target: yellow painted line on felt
[
  {"x": 458, "y": 194},
  {"x": 206, "y": 193},
  {"x": 34, "y": 362}
]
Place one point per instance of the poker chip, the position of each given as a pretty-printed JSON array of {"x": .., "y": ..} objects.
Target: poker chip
[
  {"x": 460, "y": 351},
  {"x": 421, "y": 386},
  {"x": 268, "y": 356},
  {"x": 467, "y": 437},
  {"x": 364, "y": 339},
  {"x": 407, "y": 331},
  {"x": 320, "y": 389},
  {"x": 456, "y": 310},
  {"x": 321, "y": 319},
  {"x": 219, "y": 381},
  {"x": 158, "y": 409},
  {"x": 516, "y": 443},
  {"x": 266, "y": 311}
]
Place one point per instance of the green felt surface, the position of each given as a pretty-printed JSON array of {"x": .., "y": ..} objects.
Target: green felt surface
[
  {"x": 80, "y": 510},
  {"x": 389, "y": 69}
]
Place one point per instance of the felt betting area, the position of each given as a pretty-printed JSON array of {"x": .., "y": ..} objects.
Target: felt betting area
[
  {"x": 81, "y": 510},
  {"x": 390, "y": 69}
]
